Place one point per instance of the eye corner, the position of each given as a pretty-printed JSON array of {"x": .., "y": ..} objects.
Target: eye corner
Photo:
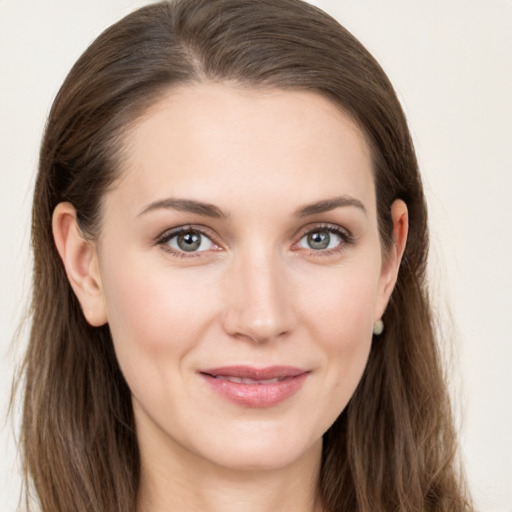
[
  {"x": 333, "y": 239},
  {"x": 187, "y": 241}
]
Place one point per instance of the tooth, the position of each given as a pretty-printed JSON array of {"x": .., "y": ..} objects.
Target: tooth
[
  {"x": 247, "y": 380},
  {"x": 270, "y": 381},
  {"x": 250, "y": 381}
]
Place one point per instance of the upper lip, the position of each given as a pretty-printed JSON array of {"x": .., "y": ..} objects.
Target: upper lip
[{"x": 250, "y": 372}]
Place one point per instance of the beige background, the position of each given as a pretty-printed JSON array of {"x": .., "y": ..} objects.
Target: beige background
[{"x": 451, "y": 63}]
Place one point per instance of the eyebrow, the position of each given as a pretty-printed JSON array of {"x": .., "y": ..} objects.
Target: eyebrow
[
  {"x": 327, "y": 205},
  {"x": 210, "y": 210},
  {"x": 186, "y": 205}
]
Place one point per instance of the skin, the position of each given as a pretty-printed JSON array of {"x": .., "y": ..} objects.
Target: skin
[{"x": 256, "y": 293}]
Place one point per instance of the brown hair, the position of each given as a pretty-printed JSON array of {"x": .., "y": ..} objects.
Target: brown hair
[{"x": 393, "y": 448}]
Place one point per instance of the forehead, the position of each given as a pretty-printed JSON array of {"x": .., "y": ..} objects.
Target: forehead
[{"x": 217, "y": 142}]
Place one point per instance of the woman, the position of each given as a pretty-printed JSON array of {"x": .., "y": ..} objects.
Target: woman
[{"x": 229, "y": 306}]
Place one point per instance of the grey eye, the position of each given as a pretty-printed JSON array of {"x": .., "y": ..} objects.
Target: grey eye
[
  {"x": 320, "y": 240},
  {"x": 190, "y": 241}
]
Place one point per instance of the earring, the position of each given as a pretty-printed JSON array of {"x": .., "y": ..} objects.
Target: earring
[{"x": 378, "y": 327}]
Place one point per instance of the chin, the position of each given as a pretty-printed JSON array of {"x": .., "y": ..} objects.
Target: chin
[{"x": 262, "y": 454}]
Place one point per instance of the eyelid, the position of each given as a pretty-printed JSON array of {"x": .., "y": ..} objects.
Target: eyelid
[
  {"x": 346, "y": 236},
  {"x": 170, "y": 233},
  {"x": 327, "y": 226}
]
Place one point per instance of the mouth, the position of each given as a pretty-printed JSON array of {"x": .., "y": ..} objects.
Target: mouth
[
  {"x": 255, "y": 387},
  {"x": 242, "y": 380}
]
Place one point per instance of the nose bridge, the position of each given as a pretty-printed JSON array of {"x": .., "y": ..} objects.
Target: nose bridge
[{"x": 259, "y": 302}]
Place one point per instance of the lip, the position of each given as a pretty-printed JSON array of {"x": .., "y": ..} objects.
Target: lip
[{"x": 255, "y": 387}]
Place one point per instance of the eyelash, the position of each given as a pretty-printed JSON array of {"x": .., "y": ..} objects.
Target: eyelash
[
  {"x": 164, "y": 239},
  {"x": 346, "y": 238}
]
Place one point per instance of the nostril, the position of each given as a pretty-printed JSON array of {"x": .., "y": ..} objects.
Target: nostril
[{"x": 259, "y": 305}]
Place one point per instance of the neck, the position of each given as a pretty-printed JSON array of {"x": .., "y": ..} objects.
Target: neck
[{"x": 190, "y": 484}]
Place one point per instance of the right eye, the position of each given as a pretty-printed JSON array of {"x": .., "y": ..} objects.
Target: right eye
[{"x": 187, "y": 241}]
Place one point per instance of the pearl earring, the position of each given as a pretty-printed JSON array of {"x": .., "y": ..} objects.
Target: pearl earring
[{"x": 378, "y": 327}]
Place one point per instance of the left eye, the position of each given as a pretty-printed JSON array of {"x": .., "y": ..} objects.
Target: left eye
[
  {"x": 189, "y": 241},
  {"x": 320, "y": 240}
]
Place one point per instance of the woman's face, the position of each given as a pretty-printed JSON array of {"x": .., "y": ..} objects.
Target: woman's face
[{"x": 241, "y": 273}]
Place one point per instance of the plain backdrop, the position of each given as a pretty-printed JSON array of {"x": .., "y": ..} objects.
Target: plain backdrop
[{"x": 451, "y": 64}]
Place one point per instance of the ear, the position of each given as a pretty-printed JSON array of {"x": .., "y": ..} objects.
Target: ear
[
  {"x": 80, "y": 260},
  {"x": 391, "y": 262}
]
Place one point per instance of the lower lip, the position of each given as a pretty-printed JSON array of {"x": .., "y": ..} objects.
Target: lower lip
[{"x": 257, "y": 395}]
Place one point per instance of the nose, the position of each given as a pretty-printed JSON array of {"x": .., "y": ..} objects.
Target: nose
[{"x": 259, "y": 298}]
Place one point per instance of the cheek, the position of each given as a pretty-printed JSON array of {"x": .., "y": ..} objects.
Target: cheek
[
  {"x": 340, "y": 319},
  {"x": 155, "y": 316},
  {"x": 341, "y": 305}
]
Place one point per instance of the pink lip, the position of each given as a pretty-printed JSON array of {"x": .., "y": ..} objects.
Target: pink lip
[{"x": 260, "y": 393}]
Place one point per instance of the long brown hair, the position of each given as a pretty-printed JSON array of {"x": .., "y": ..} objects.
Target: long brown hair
[{"x": 393, "y": 448}]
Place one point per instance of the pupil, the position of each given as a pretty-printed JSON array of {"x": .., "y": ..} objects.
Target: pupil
[
  {"x": 189, "y": 241},
  {"x": 319, "y": 240}
]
